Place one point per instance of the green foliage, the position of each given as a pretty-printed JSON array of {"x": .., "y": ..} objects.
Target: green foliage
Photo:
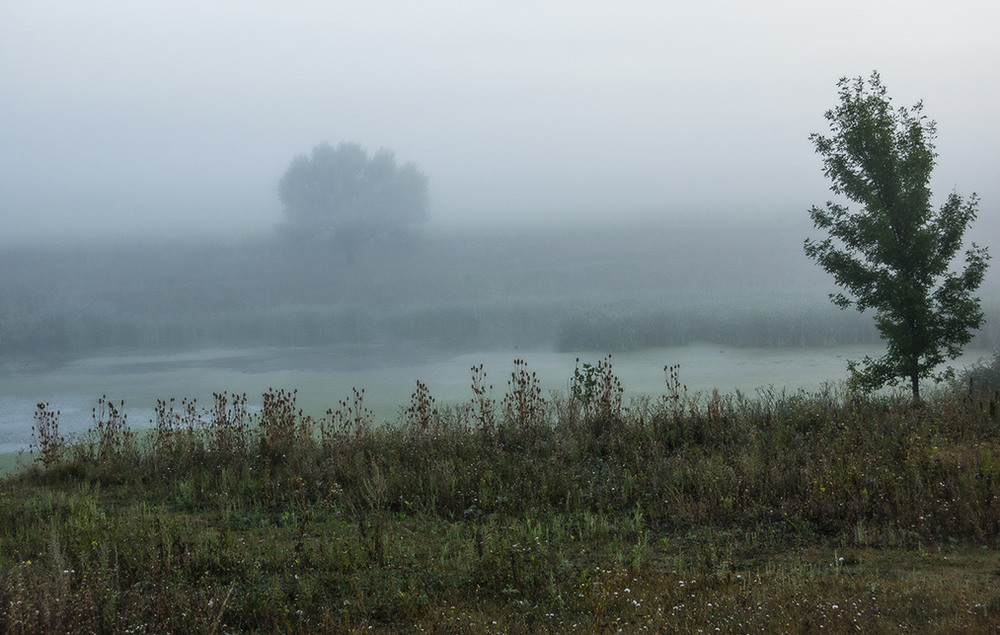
[
  {"x": 342, "y": 196},
  {"x": 597, "y": 390},
  {"x": 895, "y": 255}
]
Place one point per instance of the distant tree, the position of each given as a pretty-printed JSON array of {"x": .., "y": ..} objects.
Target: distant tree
[
  {"x": 341, "y": 196},
  {"x": 895, "y": 254}
]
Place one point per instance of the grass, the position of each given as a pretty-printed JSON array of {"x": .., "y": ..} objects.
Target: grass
[{"x": 526, "y": 512}]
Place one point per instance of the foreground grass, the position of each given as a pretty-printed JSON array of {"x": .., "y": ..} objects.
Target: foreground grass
[{"x": 779, "y": 513}]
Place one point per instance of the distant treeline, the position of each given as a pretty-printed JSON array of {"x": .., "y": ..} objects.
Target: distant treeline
[
  {"x": 582, "y": 289},
  {"x": 455, "y": 326}
]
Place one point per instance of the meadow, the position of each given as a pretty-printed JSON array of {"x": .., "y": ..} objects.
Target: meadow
[{"x": 516, "y": 510}]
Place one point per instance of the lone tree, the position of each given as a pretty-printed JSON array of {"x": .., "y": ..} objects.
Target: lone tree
[
  {"x": 340, "y": 196},
  {"x": 895, "y": 254}
]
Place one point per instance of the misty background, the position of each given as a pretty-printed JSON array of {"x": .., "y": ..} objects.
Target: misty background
[
  {"x": 167, "y": 119},
  {"x": 601, "y": 177},
  {"x": 628, "y": 178}
]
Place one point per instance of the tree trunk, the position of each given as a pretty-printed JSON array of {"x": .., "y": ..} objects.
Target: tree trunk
[{"x": 915, "y": 385}]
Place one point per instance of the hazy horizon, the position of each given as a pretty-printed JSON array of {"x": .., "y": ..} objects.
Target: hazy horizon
[{"x": 170, "y": 119}]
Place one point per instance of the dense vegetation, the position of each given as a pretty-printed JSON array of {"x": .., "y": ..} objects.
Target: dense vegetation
[
  {"x": 525, "y": 513},
  {"x": 588, "y": 288}
]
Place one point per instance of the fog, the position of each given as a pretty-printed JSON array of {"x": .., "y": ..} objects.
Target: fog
[
  {"x": 176, "y": 119},
  {"x": 629, "y": 179}
]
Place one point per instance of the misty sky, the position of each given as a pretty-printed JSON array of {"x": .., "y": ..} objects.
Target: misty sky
[{"x": 124, "y": 118}]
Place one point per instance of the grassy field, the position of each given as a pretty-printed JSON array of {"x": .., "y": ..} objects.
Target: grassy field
[{"x": 526, "y": 512}]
